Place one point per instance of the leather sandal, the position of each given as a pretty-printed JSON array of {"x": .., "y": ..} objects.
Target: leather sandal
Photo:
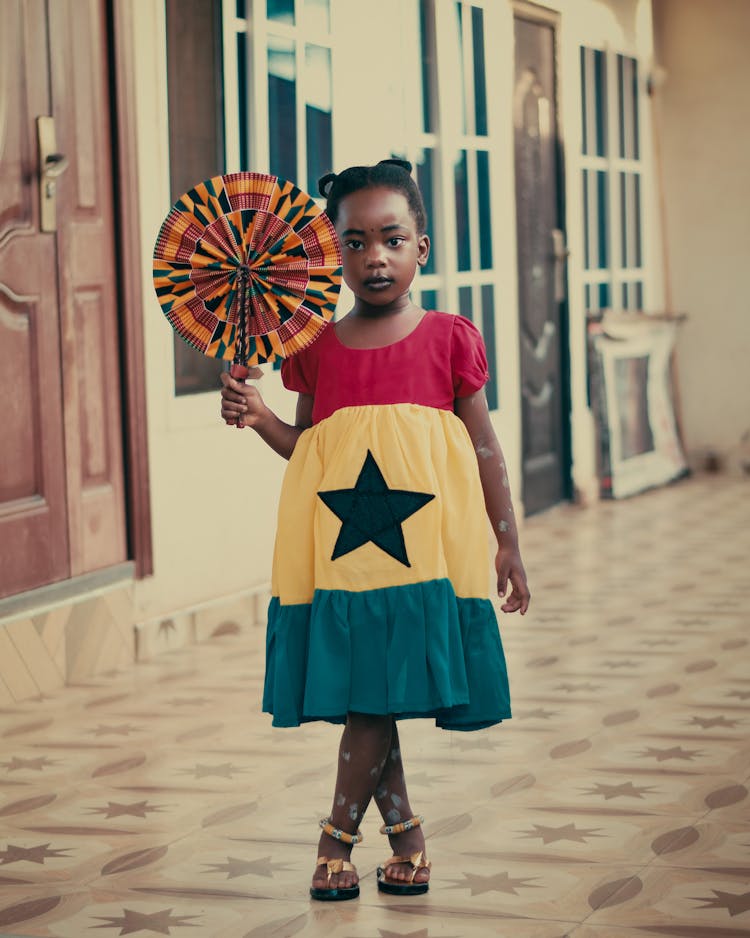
[
  {"x": 336, "y": 866},
  {"x": 335, "y": 895},
  {"x": 417, "y": 861}
]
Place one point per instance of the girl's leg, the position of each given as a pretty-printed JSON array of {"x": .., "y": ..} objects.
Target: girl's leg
[
  {"x": 364, "y": 748},
  {"x": 393, "y": 803}
]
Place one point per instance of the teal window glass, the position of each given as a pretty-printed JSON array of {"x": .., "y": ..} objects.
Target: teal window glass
[
  {"x": 627, "y": 92},
  {"x": 480, "y": 82},
  {"x": 461, "y": 197},
  {"x": 425, "y": 181},
  {"x": 282, "y": 11},
  {"x": 465, "y": 302},
  {"x": 595, "y": 220},
  {"x": 240, "y": 7},
  {"x": 485, "y": 209},
  {"x": 427, "y": 35},
  {"x": 593, "y": 102},
  {"x": 459, "y": 36},
  {"x": 282, "y": 107},
  {"x": 630, "y": 219},
  {"x": 488, "y": 331},
  {"x": 242, "y": 92},
  {"x": 429, "y": 299},
  {"x": 318, "y": 114}
]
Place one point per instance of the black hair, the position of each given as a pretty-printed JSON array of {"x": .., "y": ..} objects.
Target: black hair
[{"x": 390, "y": 174}]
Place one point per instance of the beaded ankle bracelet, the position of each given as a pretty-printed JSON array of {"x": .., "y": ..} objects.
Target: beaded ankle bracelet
[
  {"x": 338, "y": 834},
  {"x": 413, "y": 822}
]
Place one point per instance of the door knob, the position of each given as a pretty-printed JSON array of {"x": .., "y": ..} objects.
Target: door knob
[{"x": 51, "y": 166}]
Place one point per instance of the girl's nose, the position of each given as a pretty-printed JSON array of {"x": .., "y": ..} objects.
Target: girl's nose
[{"x": 375, "y": 256}]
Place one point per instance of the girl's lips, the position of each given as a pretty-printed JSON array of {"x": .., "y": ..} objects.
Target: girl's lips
[{"x": 378, "y": 284}]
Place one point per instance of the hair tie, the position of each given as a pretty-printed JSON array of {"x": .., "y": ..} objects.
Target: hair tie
[
  {"x": 402, "y": 164},
  {"x": 325, "y": 183}
]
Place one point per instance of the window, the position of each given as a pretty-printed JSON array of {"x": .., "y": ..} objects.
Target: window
[
  {"x": 611, "y": 182},
  {"x": 278, "y": 89},
  {"x": 453, "y": 167},
  {"x": 196, "y": 139}
]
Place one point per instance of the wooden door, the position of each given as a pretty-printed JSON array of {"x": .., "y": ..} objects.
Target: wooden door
[
  {"x": 541, "y": 256},
  {"x": 61, "y": 484}
]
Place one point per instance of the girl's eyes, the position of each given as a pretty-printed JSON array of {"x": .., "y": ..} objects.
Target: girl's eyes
[{"x": 395, "y": 242}]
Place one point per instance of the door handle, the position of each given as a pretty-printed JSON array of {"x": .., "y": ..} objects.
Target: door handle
[
  {"x": 51, "y": 166},
  {"x": 560, "y": 254}
]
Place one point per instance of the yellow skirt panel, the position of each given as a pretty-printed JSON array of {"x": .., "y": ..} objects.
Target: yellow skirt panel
[{"x": 416, "y": 449}]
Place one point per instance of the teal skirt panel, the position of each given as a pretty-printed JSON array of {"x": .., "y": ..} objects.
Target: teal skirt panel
[{"x": 411, "y": 651}]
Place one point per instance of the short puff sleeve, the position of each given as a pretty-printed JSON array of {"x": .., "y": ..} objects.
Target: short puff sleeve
[
  {"x": 468, "y": 358},
  {"x": 300, "y": 372}
]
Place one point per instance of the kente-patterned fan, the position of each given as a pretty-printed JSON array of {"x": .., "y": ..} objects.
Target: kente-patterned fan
[{"x": 247, "y": 268}]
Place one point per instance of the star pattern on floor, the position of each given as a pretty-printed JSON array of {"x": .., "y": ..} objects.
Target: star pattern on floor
[
  {"x": 739, "y": 694},
  {"x": 710, "y": 723},
  {"x": 235, "y": 867},
  {"x": 539, "y": 714},
  {"x": 550, "y": 835},
  {"x": 223, "y": 770},
  {"x": 371, "y": 512},
  {"x": 674, "y": 752},
  {"x": 36, "y": 765},
  {"x": 625, "y": 790},
  {"x": 132, "y": 921},
  {"x": 137, "y": 809},
  {"x": 734, "y": 903},
  {"x": 572, "y": 688},
  {"x": 499, "y": 882},
  {"x": 122, "y": 729},
  {"x": 16, "y": 854}
]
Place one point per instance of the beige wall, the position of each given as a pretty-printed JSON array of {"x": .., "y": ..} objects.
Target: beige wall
[{"x": 704, "y": 103}]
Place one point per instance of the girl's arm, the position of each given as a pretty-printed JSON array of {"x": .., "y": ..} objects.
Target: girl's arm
[
  {"x": 474, "y": 412},
  {"x": 243, "y": 406}
]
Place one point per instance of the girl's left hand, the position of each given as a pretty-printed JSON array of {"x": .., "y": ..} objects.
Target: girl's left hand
[{"x": 509, "y": 567}]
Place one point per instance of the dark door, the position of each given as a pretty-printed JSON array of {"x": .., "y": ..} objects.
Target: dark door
[
  {"x": 61, "y": 476},
  {"x": 541, "y": 274}
]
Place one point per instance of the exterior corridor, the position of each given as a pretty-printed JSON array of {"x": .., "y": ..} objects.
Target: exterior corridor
[{"x": 159, "y": 800}]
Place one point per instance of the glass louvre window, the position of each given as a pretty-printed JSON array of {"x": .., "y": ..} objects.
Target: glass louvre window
[
  {"x": 282, "y": 107},
  {"x": 290, "y": 133},
  {"x": 611, "y": 182},
  {"x": 471, "y": 179}
]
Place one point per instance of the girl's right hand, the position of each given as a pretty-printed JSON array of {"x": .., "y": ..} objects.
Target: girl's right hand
[{"x": 242, "y": 404}]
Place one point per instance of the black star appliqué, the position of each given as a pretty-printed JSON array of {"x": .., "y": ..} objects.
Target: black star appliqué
[{"x": 373, "y": 512}]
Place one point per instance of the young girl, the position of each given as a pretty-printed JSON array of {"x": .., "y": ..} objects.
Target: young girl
[{"x": 380, "y": 608}]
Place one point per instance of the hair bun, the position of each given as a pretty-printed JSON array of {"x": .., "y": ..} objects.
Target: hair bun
[
  {"x": 402, "y": 164},
  {"x": 325, "y": 183}
]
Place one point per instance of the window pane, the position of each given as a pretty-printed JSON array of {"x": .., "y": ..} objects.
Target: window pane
[
  {"x": 429, "y": 299},
  {"x": 458, "y": 63},
  {"x": 425, "y": 182},
  {"x": 280, "y": 10},
  {"x": 318, "y": 15},
  {"x": 465, "y": 304},
  {"x": 485, "y": 210},
  {"x": 488, "y": 331},
  {"x": 427, "y": 33},
  {"x": 627, "y": 82},
  {"x": 604, "y": 300},
  {"x": 318, "y": 114},
  {"x": 595, "y": 220},
  {"x": 241, "y": 9},
  {"x": 282, "y": 107},
  {"x": 463, "y": 230},
  {"x": 242, "y": 95},
  {"x": 630, "y": 214},
  {"x": 480, "y": 84},
  {"x": 593, "y": 97}
]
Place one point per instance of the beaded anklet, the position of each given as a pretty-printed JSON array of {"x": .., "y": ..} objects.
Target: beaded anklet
[
  {"x": 404, "y": 826},
  {"x": 338, "y": 834}
]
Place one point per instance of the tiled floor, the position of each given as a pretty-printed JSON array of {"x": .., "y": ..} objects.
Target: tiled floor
[{"x": 614, "y": 805}]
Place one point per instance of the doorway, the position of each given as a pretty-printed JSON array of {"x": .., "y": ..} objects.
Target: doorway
[{"x": 545, "y": 385}]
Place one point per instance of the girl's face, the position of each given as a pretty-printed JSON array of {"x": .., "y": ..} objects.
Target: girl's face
[{"x": 380, "y": 245}]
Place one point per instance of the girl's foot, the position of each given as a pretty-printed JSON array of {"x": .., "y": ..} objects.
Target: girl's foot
[
  {"x": 333, "y": 850},
  {"x": 407, "y": 844}
]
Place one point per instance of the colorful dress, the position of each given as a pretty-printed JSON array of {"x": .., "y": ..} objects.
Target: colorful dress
[{"x": 381, "y": 570}]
